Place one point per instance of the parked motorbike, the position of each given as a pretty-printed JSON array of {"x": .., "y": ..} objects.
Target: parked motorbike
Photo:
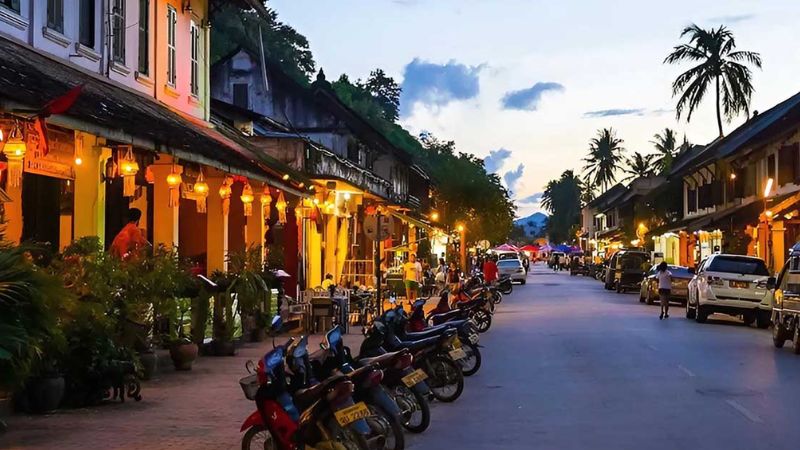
[
  {"x": 474, "y": 309},
  {"x": 504, "y": 285},
  {"x": 329, "y": 419}
]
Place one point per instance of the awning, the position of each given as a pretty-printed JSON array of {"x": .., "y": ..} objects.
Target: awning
[{"x": 408, "y": 219}]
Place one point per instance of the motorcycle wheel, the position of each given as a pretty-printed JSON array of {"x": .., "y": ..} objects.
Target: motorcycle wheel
[
  {"x": 446, "y": 379},
  {"x": 414, "y": 407},
  {"x": 472, "y": 363},
  {"x": 258, "y": 438},
  {"x": 384, "y": 423},
  {"x": 483, "y": 320},
  {"x": 497, "y": 297},
  {"x": 348, "y": 438}
]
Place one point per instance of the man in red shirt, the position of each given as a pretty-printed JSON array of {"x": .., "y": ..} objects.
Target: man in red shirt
[
  {"x": 130, "y": 240},
  {"x": 489, "y": 270}
]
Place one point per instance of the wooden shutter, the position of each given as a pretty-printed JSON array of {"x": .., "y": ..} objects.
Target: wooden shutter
[{"x": 786, "y": 164}]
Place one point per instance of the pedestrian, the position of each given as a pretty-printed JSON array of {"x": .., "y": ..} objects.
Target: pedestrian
[
  {"x": 453, "y": 277},
  {"x": 328, "y": 284},
  {"x": 441, "y": 275},
  {"x": 130, "y": 241},
  {"x": 412, "y": 276},
  {"x": 664, "y": 288},
  {"x": 489, "y": 270}
]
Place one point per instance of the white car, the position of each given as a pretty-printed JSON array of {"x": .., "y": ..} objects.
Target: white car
[
  {"x": 731, "y": 284},
  {"x": 513, "y": 268}
]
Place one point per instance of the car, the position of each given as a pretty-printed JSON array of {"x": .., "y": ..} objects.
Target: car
[
  {"x": 786, "y": 303},
  {"x": 501, "y": 255},
  {"x": 680, "y": 284},
  {"x": 731, "y": 284},
  {"x": 626, "y": 270},
  {"x": 513, "y": 268}
]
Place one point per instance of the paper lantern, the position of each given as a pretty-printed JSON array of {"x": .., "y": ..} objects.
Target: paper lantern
[
  {"x": 174, "y": 181},
  {"x": 225, "y": 195},
  {"x": 128, "y": 169},
  {"x": 266, "y": 202},
  {"x": 14, "y": 150},
  {"x": 281, "y": 205},
  {"x": 247, "y": 198},
  {"x": 201, "y": 193}
]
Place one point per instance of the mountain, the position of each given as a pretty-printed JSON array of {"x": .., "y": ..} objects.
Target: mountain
[{"x": 533, "y": 224}]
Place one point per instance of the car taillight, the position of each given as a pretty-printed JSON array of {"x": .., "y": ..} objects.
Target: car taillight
[
  {"x": 404, "y": 361},
  {"x": 373, "y": 379},
  {"x": 341, "y": 392},
  {"x": 714, "y": 281}
]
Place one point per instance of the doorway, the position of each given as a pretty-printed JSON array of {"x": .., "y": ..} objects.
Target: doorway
[{"x": 47, "y": 210}]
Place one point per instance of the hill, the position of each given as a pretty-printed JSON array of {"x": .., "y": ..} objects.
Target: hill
[{"x": 533, "y": 224}]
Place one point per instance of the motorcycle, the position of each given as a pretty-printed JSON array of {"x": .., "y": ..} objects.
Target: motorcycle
[
  {"x": 474, "y": 309},
  {"x": 504, "y": 285}
]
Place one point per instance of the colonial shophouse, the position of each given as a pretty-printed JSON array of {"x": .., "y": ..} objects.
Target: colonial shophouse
[{"x": 105, "y": 106}]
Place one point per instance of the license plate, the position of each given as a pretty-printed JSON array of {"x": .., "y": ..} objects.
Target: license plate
[
  {"x": 417, "y": 376},
  {"x": 457, "y": 354},
  {"x": 740, "y": 284},
  {"x": 473, "y": 338},
  {"x": 352, "y": 413}
]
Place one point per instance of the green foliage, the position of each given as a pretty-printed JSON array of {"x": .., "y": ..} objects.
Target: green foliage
[
  {"x": 666, "y": 145},
  {"x": 283, "y": 45},
  {"x": 720, "y": 68},
  {"x": 605, "y": 157},
  {"x": 638, "y": 166},
  {"x": 562, "y": 198}
]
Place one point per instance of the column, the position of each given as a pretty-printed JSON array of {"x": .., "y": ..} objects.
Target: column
[
  {"x": 90, "y": 192},
  {"x": 13, "y": 212},
  {"x": 254, "y": 227},
  {"x": 683, "y": 249},
  {"x": 314, "y": 254},
  {"x": 763, "y": 241},
  {"x": 165, "y": 218},
  {"x": 779, "y": 253},
  {"x": 217, "y": 228},
  {"x": 331, "y": 239}
]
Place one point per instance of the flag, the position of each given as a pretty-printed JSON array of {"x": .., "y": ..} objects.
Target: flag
[{"x": 62, "y": 104}]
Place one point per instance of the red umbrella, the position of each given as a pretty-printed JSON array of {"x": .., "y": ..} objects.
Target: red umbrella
[
  {"x": 530, "y": 248},
  {"x": 506, "y": 248}
]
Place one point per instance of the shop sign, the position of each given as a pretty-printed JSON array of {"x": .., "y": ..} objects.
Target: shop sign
[{"x": 57, "y": 162}]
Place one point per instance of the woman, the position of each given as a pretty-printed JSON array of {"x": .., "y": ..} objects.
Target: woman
[
  {"x": 453, "y": 278},
  {"x": 441, "y": 275},
  {"x": 664, "y": 288}
]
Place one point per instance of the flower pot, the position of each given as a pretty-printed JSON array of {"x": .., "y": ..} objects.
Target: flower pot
[
  {"x": 183, "y": 355},
  {"x": 149, "y": 361},
  {"x": 43, "y": 394},
  {"x": 223, "y": 348}
]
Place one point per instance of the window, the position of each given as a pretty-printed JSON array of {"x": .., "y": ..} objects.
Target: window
[
  {"x": 738, "y": 264},
  {"x": 144, "y": 37},
  {"x": 172, "y": 20},
  {"x": 10, "y": 4},
  {"x": 240, "y": 95},
  {"x": 55, "y": 15},
  {"x": 787, "y": 167},
  {"x": 118, "y": 31},
  {"x": 194, "y": 83},
  {"x": 86, "y": 23},
  {"x": 771, "y": 167},
  {"x": 691, "y": 200}
]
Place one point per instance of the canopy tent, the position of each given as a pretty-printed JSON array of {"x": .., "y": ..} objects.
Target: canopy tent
[
  {"x": 506, "y": 248},
  {"x": 530, "y": 248},
  {"x": 563, "y": 248},
  {"x": 546, "y": 248}
]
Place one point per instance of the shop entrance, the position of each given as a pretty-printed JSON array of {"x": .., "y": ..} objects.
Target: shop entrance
[{"x": 47, "y": 205}]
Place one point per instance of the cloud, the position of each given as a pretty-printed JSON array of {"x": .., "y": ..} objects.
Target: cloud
[
  {"x": 513, "y": 176},
  {"x": 528, "y": 99},
  {"x": 495, "y": 160},
  {"x": 531, "y": 199},
  {"x": 614, "y": 112},
  {"x": 437, "y": 84},
  {"x": 730, "y": 19}
]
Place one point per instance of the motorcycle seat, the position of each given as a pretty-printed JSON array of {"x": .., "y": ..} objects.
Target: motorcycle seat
[
  {"x": 309, "y": 395},
  {"x": 382, "y": 360},
  {"x": 446, "y": 316},
  {"x": 434, "y": 330},
  {"x": 414, "y": 346}
]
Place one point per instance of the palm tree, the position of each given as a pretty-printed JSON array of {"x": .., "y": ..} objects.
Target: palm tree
[
  {"x": 666, "y": 144},
  {"x": 720, "y": 67},
  {"x": 562, "y": 198},
  {"x": 638, "y": 166},
  {"x": 605, "y": 156}
]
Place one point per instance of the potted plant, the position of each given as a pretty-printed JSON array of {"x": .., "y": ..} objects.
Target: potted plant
[
  {"x": 252, "y": 291},
  {"x": 182, "y": 350}
]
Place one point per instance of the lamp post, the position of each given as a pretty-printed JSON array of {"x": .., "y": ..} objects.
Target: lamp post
[
  {"x": 767, "y": 216},
  {"x": 462, "y": 231}
]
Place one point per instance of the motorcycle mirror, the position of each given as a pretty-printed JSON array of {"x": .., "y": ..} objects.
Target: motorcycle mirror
[
  {"x": 277, "y": 322},
  {"x": 250, "y": 366}
]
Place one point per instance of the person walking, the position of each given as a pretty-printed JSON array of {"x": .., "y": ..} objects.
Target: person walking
[
  {"x": 664, "y": 288},
  {"x": 412, "y": 277},
  {"x": 489, "y": 270}
]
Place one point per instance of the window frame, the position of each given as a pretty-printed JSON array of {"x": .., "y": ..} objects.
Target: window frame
[
  {"x": 194, "y": 61},
  {"x": 86, "y": 28},
  {"x": 172, "y": 48},
  {"x": 118, "y": 31},
  {"x": 143, "y": 60},
  {"x": 9, "y": 5},
  {"x": 55, "y": 15}
]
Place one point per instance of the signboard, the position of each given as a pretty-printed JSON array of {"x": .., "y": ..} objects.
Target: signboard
[{"x": 58, "y": 161}]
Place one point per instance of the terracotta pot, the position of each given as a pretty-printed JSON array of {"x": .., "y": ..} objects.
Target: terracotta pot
[
  {"x": 223, "y": 348},
  {"x": 44, "y": 394},
  {"x": 149, "y": 361},
  {"x": 183, "y": 355}
]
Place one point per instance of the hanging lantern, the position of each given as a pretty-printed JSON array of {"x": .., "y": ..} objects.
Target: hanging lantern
[
  {"x": 266, "y": 202},
  {"x": 225, "y": 195},
  {"x": 174, "y": 181},
  {"x": 247, "y": 199},
  {"x": 201, "y": 192},
  {"x": 14, "y": 150},
  {"x": 281, "y": 206},
  {"x": 128, "y": 169},
  {"x": 298, "y": 215}
]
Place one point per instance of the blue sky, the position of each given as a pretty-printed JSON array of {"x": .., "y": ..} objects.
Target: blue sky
[{"x": 528, "y": 83}]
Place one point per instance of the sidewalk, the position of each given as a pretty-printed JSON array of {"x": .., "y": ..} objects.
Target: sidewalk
[{"x": 200, "y": 409}]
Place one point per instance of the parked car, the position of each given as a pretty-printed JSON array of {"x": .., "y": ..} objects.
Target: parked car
[
  {"x": 680, "y": 285},
  {"x": 731, "y": 284},
  {"x": 501, "y": 255},
  {"x": 786, "y": 303},
  {"x": 578, "y": 266},
  {"x": 626, "y": 270},
  {"x": 513, "y": 268}
]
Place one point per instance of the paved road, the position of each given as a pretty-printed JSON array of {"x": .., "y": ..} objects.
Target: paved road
[
  {"x": 566, "y": 366},
  {"x": 571, "y": 366}
]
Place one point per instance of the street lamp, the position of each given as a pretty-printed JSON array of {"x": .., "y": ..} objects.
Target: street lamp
[
  {"x": 463, "y": 247},
  {"x": 435, "y": 216},
  {"x": 767, "y": 217}
]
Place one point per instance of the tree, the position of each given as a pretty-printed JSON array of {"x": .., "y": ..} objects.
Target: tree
[
  {"x": 386, "y": 92},
  {"x": 639, "y": 166},
  {"x": 562, "y": 198},
  {"x": 666, "y": 145},
  {"x": 721, "y": 68},
  {"x": 605, "y": 156}
]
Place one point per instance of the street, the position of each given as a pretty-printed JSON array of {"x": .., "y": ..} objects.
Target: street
[{"x": 566, "y": 365}]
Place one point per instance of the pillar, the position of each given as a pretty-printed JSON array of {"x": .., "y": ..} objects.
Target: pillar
[
  {"x": 763, "y": 241},
  {"x": 254, "y": 227},
  {"x": 779, "y": 253},
  {"x": 217, "y": 229},
  {"x": 13, "y": 212},
  {"x": 90, "y": 192},
  {"x": 331, "y": 239},
  {"x": 683, "y": 249},
  {"x": 314, "y": 254},
  {"x": 165, "y": 218},
  {"x": 463, "y": 247}
]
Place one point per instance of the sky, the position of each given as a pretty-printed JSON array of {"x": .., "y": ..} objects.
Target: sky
[{"x": 527, "y": 83}]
